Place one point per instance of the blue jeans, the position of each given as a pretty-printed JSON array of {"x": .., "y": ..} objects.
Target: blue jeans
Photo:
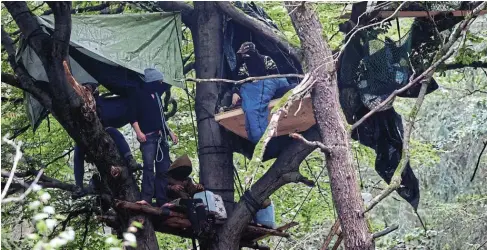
[
  {"x": 151, "y": 158},
  {"x": 79, "y": 154}
]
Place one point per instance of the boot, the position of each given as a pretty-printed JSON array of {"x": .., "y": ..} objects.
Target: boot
[
  {"x": 78, "y": 193},
  {"x": 132, "y": 164}
]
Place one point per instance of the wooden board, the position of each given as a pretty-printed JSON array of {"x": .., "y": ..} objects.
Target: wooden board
[
  {"x": 234, "y": 120},
  {"x": 405, "y": 14}
]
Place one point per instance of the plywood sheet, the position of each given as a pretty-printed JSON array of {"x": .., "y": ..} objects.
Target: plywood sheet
[{"x": 234, "y": 120}]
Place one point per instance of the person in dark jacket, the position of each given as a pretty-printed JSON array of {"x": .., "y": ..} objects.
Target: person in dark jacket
[
  {"x": 180, "y": 184},
  {"x": 111, "y": 117},
  {"x": 152, "y": 131}
]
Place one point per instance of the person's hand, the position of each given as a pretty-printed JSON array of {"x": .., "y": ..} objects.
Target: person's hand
[
  {"x": 235, "y": 98},
  {"x": 174, "y": 138},
  {"x": 141, "y": 137},
  {"x": 177, "y": 188},
  {"x": 200, "y": 187}
]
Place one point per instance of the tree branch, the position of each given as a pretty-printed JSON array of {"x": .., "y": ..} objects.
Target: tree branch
[
  {"x": 478, "y": 161},
  {"x": 452, "y": 66},
  {"x": 287, "y": 162},
  {"x": 258, "y": 27},
  {"x": 248, "y": 79},
  {"x": 385, "y": 231},
  {"x": 311, "y": 143},
  {"x": 187, "y": 11}
]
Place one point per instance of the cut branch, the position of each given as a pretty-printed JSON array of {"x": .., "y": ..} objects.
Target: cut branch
[
  {"x": 311, "y": 143},
  {"x": 257, "y": 26}
]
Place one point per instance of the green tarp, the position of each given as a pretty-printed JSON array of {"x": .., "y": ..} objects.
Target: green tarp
[{"x": 131, "y": 41}]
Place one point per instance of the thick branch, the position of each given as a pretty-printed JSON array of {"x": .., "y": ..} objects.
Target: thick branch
[
  {"x": 256, "y": 26},
  {"x": 99, "y": 7},
  {"x": 287, "y": 162},
  {"x": 187, "y": 11}
]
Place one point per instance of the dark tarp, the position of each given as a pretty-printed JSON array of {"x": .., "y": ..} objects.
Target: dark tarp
[
  {"x": 369, "y": 71},
  {"x": 112, "y": 50}
]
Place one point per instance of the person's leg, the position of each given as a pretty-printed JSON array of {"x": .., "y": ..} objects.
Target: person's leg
[
  {"x": 120, "y": 141},
  {"x": 148, "y": 149},
  {"x": 162, "y": 166},
  {"x": 123, "y": 147},
  {"x": 79, "y": 165}
]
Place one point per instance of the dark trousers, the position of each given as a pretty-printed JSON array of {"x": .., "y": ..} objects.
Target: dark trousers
[
  {"x": 155, "y": 183},
  {"x": 79, "y": 154}
]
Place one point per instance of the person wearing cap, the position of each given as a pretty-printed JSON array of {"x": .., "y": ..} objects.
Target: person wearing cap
[
  {"x": 150, "y": 126},
  {"x": 180, "y": 184}
]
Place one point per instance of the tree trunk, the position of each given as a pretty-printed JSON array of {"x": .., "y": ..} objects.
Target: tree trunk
[
  {"x": 74, "y": 108},
  {"x": 326, "y": 107},
  {"x": 214, "y": 152}
]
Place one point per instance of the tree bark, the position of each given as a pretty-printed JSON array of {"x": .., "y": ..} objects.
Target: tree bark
[
  {"x": 331, "y": 125},
  {"x": 214, "y": 152},
  {"x": 74, "y": 109}
]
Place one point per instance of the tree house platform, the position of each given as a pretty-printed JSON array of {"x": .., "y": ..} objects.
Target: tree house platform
[
  {"x": 409, "y": 14},
  {"x": 234, "y": 120}
]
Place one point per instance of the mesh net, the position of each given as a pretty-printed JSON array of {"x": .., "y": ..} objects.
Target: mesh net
[{"x": 371, "y": 69}]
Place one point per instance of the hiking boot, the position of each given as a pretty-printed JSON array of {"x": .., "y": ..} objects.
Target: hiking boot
[
  {"x": 132, "y": 164},
  {"x": 78, "y": 193}
]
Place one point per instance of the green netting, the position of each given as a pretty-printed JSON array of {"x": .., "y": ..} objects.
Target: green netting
[{"x": 384, "y": 67}]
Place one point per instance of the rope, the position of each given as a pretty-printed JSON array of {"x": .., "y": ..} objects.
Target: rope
[
  {"x": 164, "y": 126},
  {"x": 301, "y": 205},
  {"x": 192, "y": 118}
]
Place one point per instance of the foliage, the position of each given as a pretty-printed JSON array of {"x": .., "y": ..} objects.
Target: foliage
[{"x": 446, "y": 142}]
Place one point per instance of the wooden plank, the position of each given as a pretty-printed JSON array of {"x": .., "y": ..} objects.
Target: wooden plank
[
  {"x": 409, "y": 14},
  {"x": 234, "y": 120}
]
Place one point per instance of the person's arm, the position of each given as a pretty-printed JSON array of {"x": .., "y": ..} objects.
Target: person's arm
[
  {"x": 138, "y": 132},
  {"x": 133, "y": 116}
]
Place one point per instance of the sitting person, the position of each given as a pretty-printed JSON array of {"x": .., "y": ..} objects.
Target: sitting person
[
  {"x": 180, "y": 185},
  {"x": 181, "y": 190},
  {"x": 257, "y": 95}
]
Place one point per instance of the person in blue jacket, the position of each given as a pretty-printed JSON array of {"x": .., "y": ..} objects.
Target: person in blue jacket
[
  {"x": 152, "y": 131},
  {"x": 256, "y": 96}
]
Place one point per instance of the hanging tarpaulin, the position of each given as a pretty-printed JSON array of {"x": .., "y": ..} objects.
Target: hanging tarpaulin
[
  {"x": 112, "y": 50},
  {"x": 133, "y": 41}
]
